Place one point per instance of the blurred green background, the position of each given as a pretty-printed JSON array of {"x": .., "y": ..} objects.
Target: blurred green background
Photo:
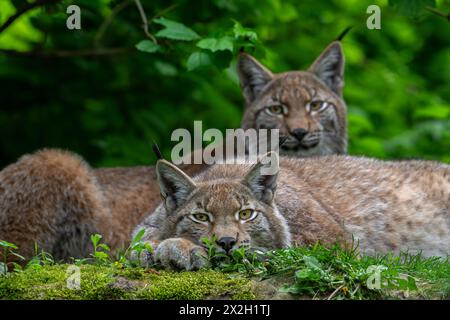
[{"x": 92, "y": 91}]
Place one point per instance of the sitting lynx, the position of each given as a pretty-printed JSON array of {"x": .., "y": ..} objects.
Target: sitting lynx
[
  {"x": 54, "y": 198},
  {"x": 386, "y": 206},
  {"x": 306, "y": 106}
]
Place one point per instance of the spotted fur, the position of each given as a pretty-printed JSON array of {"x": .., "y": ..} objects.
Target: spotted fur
[
  {"x": 306, "y": 131},
  {"x": 386, "y": 206}
]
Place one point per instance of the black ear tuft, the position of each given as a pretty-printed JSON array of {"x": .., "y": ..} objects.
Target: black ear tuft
[
  {"x": 344, "y": 33},
  {"x": 157, "y": 152}
]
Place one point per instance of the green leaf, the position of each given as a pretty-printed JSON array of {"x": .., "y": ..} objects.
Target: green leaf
[
  {"x": 412, "y": 8},
  {"x": 100, "y": 255},
  {"x": 147, "y": 46},
  {"x": 104, "y": 247},
  {"x": 175, "y": 30},
  {"x": 214, "y": 44},
  {"x": 95, "y": 238},
  {"x": 198, "y": 59},
  {"x": 433, "y": 112},
  {"x": 7, "y": 244},
  {"x": 244, "y": 33},
  {"x": 138, "y": 236},
  {"x": 166, "y": 69},
  {"x": 312, "y": 262}
]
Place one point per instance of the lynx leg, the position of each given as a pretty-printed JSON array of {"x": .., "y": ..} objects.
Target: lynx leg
[{"x": 50, "y": 198}]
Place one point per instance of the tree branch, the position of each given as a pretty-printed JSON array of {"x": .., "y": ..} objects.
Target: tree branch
[
  {"x": 144, "y": 21},
  {"x": 67, "y": 53},
  {"x": 165, "y": 11},
  {"x": 121, "y": 6},
  {"x": 439, "y": 13},
  {"x": 23, "y": 10}
]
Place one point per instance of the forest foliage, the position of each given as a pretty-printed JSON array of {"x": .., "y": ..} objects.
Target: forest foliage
[{"x": 111, "y": 89}]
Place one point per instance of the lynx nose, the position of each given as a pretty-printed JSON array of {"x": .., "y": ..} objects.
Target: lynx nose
[
  {"x": 226, "y": 243},
  {"x": 299, "y": 133}
]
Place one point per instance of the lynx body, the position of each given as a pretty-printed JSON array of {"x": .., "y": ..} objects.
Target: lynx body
[{"x": 385, "y": 206}]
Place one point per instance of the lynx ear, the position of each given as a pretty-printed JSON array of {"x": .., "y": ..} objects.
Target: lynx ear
[
  {"x": 329, "y": 67},
  {"x": 262, "y": 178},
  {"x": 174, "y": 184},
  {"x": 252, "y": 75}
]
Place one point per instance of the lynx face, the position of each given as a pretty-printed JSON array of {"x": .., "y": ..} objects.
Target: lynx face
[
  {"x": 306, "y": 106},
  {"x": 237, "y": 213},
  {"x": 227, "y": 212}
]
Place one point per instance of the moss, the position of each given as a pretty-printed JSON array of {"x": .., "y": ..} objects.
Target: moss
[{"x": 50, "y": 282}]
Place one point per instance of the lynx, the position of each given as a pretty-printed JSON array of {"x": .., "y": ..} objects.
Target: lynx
[
  {"x": 55, "y": 199},
  {"x": 385, "y": 206},
  {"x": 306, "y": 106}
]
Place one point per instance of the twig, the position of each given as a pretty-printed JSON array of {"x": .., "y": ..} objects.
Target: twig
[
  {"x": 144, "y": 21},
  {"x": 23, "y": 10},
  {"x": 166, "y": 10},
  {"x": 438, "y": 13},
  {"x": 67, "y": 53},
  {"x": 335, "y": 291},
  {"x": 121, "y": 6}
]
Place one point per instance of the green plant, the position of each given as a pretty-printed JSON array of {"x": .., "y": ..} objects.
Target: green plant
[
  {"x": 241, "y": 260},
  {"x": 136, "y": 247},
  {"x": 40, "y": 259},
  {"x": 101, "y": 251},
  {"x": 8, "y": 251}
]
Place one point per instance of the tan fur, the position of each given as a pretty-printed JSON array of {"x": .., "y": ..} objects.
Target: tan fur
[
  {"x": 307, "y": 132},
  {"x": 55, "y": 199},
  {"x": 386, "y": 206}
]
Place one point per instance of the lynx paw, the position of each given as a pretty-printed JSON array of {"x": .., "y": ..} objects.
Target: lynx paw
[
  {"x": 177, "y": 253},
  {"x": 145, "y": 258}
]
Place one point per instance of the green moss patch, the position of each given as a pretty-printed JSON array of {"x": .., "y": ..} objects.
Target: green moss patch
[{"x": 98, "y": 282}]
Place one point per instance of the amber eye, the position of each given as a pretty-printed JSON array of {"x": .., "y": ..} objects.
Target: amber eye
[
  {"x": 275, "y": 109},
  {"x": 200, "y": 217},
  {"x": 246, "y": 214},
  {"x": 317, "y": 105}
]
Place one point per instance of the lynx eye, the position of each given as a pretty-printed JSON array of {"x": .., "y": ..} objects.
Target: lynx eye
[
  {"x": 247, "y": 214},
  {"x": 317, "y": 105},
  {"x": 200, "y": 217},
  {"x": 275, "y": 109}
]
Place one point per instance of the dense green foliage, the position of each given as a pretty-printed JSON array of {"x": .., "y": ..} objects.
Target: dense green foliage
[{"x": 108, "y": 91}]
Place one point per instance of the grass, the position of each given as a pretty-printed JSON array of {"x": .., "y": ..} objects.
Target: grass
[{"x": 312, "y": 272}]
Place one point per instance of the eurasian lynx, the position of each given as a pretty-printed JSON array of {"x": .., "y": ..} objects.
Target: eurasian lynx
[
  {"x": 306, "y": 106},
  {"x": 386, "y": 206}
]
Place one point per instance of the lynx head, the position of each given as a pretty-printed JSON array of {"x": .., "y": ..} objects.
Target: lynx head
[
  {"x": 236, "y": 211},
  {"x": 306, "y": 106}
]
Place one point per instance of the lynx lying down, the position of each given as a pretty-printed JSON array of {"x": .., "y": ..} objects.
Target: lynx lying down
[{"x": 386, "y": 206}]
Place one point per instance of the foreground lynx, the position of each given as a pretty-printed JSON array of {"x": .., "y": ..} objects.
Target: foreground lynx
[
  {"x": 386, "y": 206},
  {"x": 55, "y": 199}
]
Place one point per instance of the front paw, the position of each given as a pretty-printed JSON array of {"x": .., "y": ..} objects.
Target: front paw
[
  {"x": 145, "y": 257},
  {"x": 178, "y": 253}
]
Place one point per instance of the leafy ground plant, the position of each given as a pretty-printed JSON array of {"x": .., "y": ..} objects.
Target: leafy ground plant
[
  {"x": 8, "y": 251},
  {"x": 342, "y": 273},
  {"x": 309, "y": 272}
]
